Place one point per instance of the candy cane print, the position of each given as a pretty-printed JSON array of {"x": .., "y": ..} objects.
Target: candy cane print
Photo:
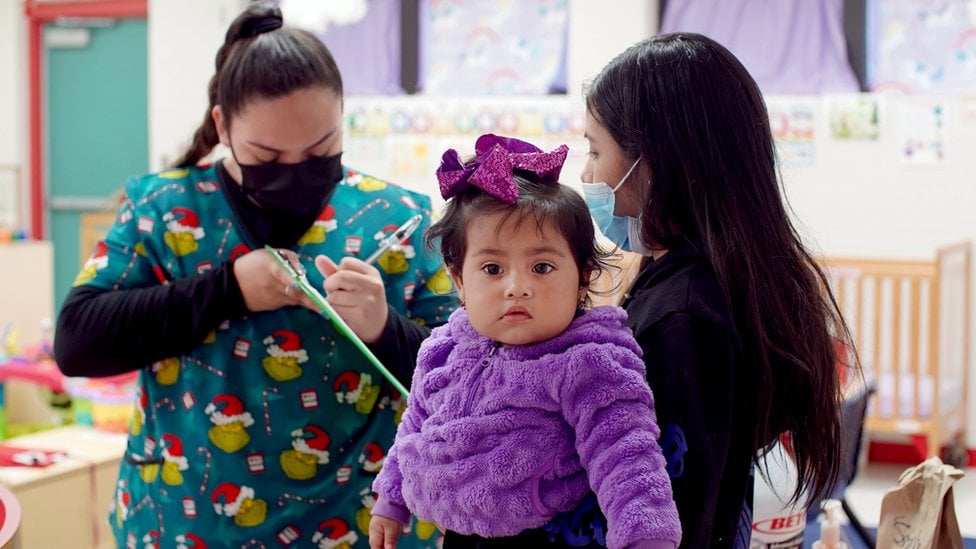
[
  {"x": 163, "y": 189},
  {"x": 300, "y": 499},
  {"x": 205, "y": 366},
  {"x": 142, "y": 503},
  {"x": 379, "y": 201},
  {"x": 223, "y": 239},
  {"x": 328, "y": 357},
  {"x": 264, "y": 402},
  {"x": 163, "y": 402},
  {"x": 206, "y": 468},
  {"x": 125, "y": 272}
]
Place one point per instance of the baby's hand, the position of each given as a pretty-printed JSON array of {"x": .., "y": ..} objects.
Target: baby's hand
[{"x": 383, "y": 533}]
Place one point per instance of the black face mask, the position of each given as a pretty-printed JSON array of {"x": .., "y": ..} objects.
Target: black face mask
[{"x": 291, "y": 188}]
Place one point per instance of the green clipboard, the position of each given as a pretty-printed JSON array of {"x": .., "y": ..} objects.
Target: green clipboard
[{"x": 326, "y": 310}]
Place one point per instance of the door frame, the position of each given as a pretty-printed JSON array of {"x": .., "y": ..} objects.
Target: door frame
[{"x": 39, "y": 13}]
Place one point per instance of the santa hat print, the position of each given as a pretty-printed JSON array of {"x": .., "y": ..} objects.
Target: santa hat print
[
  {"x": 367, "y": 497},
  {"x": 349, "y": 385},
  {"x": 190, "y": 541},
  {"x": 316, "y": 443},
  {"x": 334, "y": 532},
  {"x": 228, "y": 409},
  {"x": 286, "y": 343},
  {"x": 327, "y": 219},
  {"x": 123, "y": 501},
  {"x": 151, "y": 539},
  {"x": 348, "y": 378},
  {"x": 372, "y": 457},
  {"x": 173, "y": 451},
  {"x": 232, "y": 495},
  {"x": 238, "y": 251},
  {"x": 353, "y": 178},
  {"x": 183, "y": 220},
  {"x": 99, "y": 256}
]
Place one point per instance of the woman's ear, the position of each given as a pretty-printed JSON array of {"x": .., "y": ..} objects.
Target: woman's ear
[{"x": 218, "y": 118}]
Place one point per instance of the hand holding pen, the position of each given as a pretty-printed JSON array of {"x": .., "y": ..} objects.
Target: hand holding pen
[
  {"x": 401, "y": 233},
  {"x": 355, "y": 288}
]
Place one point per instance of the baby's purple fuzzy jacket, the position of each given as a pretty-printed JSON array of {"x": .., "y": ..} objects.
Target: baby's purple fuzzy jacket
[{"x": 498, "y": 439}]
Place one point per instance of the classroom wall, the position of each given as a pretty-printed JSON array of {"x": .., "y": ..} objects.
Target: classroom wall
[
  {"x": 13, "y": 87},
  {"x": 863, "y": 198},
  {"x": 184, "y": 36},
  {"x": 182, "y": 49}
]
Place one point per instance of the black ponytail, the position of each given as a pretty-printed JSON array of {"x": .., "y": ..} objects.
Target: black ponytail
[{"x": 260, "y": 58}]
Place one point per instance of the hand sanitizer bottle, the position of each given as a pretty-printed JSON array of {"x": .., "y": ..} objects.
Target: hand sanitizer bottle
[{"x": 830, "y": 527}]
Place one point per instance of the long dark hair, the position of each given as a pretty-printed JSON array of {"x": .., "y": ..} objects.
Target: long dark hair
[
  {"x": 540, "y": 202},
  {"x": 688, "y": 107},
  {"x": 260, "y": 59}
]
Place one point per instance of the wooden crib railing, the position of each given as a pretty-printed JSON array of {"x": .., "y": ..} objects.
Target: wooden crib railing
[{"x": 910, "y": 322}]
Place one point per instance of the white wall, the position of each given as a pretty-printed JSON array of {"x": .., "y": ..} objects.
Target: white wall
[
  {"x": 861, "y": 199},
  {"x": 13, "y": 91},
  {"x": 184, "y": 36},
  {"x": 598, "y": 31}
]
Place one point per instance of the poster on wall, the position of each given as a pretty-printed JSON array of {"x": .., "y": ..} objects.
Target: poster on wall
[
  {"x": 472, "y": 47},
  {"x": 924, "y": 47},
  {"x": 793, "y": 124},
  {"x": 922, "y": 136},
  {"x": 854, "y": 118},
  {"x": 402, "y": 138}
]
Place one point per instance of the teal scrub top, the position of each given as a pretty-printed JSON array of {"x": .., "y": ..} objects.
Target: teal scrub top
[{"x": 270, "y": 432}]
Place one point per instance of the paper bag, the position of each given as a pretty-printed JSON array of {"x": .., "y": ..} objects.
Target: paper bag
[{"x": 920, "y": 513}]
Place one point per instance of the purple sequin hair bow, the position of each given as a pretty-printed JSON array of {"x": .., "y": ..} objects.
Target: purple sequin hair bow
[{"x": 491, "y": 169}]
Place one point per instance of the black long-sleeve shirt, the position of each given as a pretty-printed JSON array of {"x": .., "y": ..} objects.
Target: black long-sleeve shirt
[
  {"x": 107, "y": 332},
  {"x": 703, "y": 394}
]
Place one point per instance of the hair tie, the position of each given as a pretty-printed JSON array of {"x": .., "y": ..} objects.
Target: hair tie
[
  {"x": 266, "y": 24},
  {"x": 491, "y": 170}
]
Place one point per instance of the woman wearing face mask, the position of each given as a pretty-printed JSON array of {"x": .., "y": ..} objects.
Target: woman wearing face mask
[
  {"x": 733, "y": 315},
  {"x": 256, "y": 420}
]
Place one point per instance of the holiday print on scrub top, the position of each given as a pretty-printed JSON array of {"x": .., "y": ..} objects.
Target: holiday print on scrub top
[{"x": 269, "y": 432}]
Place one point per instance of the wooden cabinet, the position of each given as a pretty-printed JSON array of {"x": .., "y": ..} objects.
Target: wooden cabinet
[{"x": 74, "y": 493}]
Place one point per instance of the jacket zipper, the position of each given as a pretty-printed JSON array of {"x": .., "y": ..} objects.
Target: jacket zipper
[{"x": 481, "y": 376}]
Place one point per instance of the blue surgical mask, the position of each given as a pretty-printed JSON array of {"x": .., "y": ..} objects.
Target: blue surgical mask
[{"x": 620, "y": 230}]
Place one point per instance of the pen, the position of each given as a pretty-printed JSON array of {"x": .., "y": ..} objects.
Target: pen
[{"x": 399, "y": 235}]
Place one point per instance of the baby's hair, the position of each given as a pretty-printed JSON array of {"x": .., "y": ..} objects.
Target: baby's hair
[{"x": 542, "y": 202}]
